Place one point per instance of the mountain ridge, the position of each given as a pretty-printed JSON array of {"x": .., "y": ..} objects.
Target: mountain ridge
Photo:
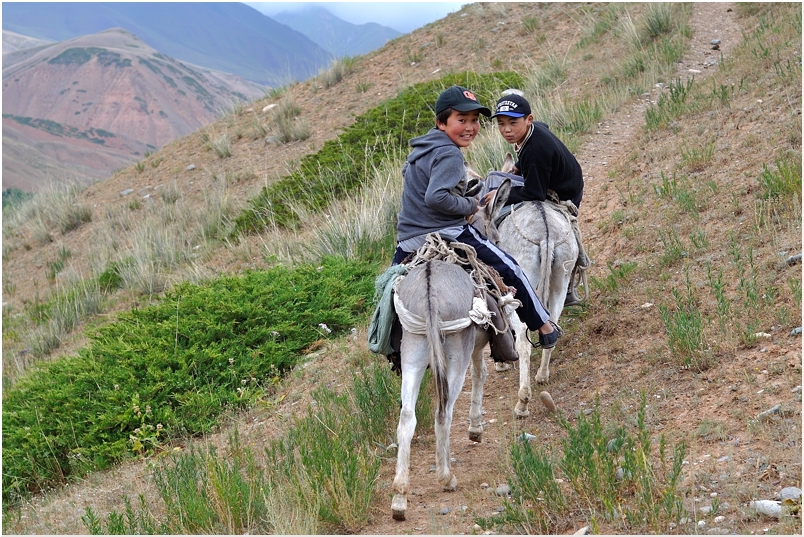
[
  {"x": 339, "y": 37},
  {"x": 229, "y": 37},
  {"x": 110, "y": 97}
]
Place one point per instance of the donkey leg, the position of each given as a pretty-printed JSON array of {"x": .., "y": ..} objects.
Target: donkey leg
[
  {"x": 443, "y": 421},
  {"x": 543, "y": 375},
  {"x": 412, "y": 374},
  {"x": 523, "y": 348},
  {"x": 479, "y": 374},
  {"x": 443, "y": 471}
]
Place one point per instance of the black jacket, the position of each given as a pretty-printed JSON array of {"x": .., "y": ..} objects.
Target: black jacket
[{"x": 546, "y": 163}]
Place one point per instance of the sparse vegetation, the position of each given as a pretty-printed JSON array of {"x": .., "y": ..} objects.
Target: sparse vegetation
[
  {"x": 340, "y": 68},
  {"x": 693, "y": 300}
]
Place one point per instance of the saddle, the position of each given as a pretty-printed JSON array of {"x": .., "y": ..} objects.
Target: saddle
[{"x": 385, "y": 330}]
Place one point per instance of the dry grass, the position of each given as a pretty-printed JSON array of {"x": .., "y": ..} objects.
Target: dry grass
[{"x": 615, "y": 348}]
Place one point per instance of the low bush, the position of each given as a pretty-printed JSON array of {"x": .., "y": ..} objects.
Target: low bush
[
  {"x": 342, "y": 165},
  {"x": 171, "y": 369}
]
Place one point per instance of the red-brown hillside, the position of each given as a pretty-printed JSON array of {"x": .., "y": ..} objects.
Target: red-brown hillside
[{"x": 99, "y": 101}]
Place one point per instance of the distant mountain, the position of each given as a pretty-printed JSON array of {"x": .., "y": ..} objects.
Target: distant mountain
[
  {"x": 13, "y": 42},
  {"x": 335, "y": 35},
  {"x": 95, "y": 103},
  {"x": 224, "y": 36}
]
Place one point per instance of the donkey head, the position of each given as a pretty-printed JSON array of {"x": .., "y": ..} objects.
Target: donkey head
[{"x": 484, "y": 218}]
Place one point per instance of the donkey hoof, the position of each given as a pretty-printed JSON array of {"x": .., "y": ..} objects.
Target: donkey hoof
[
  {"x": 452, "y": 486},
  {"x": 502, "y": 366},
  {"x": 521, "y": 411},
  {"x": 476, "y": 436},
  {"x": 399, "y": 506}
]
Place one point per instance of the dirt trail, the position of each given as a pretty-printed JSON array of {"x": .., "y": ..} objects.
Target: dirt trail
[{"x": 478, "y": 465}]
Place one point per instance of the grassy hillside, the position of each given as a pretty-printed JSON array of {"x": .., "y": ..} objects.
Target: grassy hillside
[{"x": 692, "y": 227}]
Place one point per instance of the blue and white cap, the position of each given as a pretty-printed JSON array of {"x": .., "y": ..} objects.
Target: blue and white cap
[{"x": 512, "y": 105}]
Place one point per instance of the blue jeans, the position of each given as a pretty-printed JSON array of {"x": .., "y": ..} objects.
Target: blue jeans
[{"x": 532, "y": 312}]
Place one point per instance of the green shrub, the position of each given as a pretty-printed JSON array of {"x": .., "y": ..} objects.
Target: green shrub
[
  {"x": 342, "y": 165},
  {"x": 174, "y": 366},
  {"x": 322, "y": 472}
]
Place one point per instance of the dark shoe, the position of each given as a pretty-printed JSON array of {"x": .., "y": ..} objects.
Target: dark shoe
[
  {"x": 572, "y": 299},
  {"x": 548, "y": 341},
  {"x": 396, "y": 362}
]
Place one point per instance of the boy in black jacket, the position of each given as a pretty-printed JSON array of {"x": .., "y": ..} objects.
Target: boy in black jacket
[{"x": 545, "y": 163}]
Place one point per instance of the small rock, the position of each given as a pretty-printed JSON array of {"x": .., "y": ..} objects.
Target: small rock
[
  {"x": 444, "y": 511},
  {"x": 547, "y": 401},
  {"x": 797, "y": 389},
  {"x": 126, "y": 192},
  {"x": 762, "y": 335},
  {"x": 484, "y": 486},
  {"x": 723, "y": 459},
  {"x": 768, "y": 413},
  {"x": 527, "y": 437},
  {"x": 789, "y": 495},
  {"x": 701, "y": 523},
  {"x": 714, "y": 42},
  {"x": 684, "y": 520},
  {"x": 190, "y": 168},
  {"x": 705, "y": 509},
  {"x": 793, "y": 259},
  {"x": 718, "y": 519},
  {"x": 503, "y": 490},
  {"x": 582, "y": 531},
  {"x": 500, "y": 509},
  {"x": 718, "y": 531},
  {"x": 769, "y": 508},
  {"x": 270, "y": 107},
  {"x": 477, "y": 528},
  {"x": 796, "y": 331}
]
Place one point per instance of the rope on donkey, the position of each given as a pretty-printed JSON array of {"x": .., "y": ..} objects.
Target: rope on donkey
[{"x": 484, "y": 278}]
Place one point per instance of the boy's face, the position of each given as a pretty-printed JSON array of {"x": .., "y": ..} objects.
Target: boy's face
[
  {"x": 461, "y": 127},
  {"x": 514, "y": 129}
]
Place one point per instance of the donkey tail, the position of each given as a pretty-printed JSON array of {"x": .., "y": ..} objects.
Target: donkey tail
[
  {"x": 438, "y": 357},
  {"x": 546, "y": 247}
]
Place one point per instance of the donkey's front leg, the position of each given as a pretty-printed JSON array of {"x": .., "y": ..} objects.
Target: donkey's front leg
[
  {"x": 479, "y": 374},
  {"x": 543, "y": 375}
]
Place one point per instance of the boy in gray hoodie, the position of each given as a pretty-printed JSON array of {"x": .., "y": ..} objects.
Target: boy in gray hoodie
[{"x": 434, "y": 168}]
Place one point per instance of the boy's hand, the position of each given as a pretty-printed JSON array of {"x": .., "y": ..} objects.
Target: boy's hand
[{"x": 487, "y": 198}]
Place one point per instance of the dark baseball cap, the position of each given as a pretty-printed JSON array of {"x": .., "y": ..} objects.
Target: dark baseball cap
[
  {"x": 460, "y": 99},
  {"x": 512, "y": 105}
]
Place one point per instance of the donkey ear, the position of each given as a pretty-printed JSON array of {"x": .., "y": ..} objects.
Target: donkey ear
[
  {"x": 471, "y": 173},
  {"x": 501, "y": 196},
  {"x": 508, "y": 163}
]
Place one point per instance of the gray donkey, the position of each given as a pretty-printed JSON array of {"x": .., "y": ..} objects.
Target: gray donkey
[{"x": 540, "y": 237}]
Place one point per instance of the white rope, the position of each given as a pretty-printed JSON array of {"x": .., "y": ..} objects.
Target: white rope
[{"x": 479, "y": 314}]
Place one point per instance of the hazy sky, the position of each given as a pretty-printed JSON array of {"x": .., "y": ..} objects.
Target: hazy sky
[{"x": 401, "y": 16}]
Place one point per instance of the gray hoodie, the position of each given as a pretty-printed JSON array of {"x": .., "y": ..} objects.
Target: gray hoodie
[{"x": 434, "y": 167}]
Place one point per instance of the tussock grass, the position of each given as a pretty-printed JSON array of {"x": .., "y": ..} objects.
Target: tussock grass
[
  {"x": 614, "y": 478},
  {"x": 737, "y": 291},
  {"x": 339, "y": 68}
]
